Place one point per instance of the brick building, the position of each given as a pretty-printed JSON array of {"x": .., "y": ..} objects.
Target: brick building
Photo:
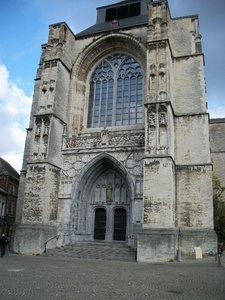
[{"x": 9, "y": 183}]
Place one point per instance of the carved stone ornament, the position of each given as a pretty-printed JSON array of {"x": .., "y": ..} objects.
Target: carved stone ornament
[
  {"x": 152, "y": 47},
  {"x": 44, "y": 86},
  {"x": 38, "y": 123},
  {"x": 50, "y": 64},
  {"x": 104, "y": 140},
  {"x": 162, "y": 44},
  {"x": 105, "y": 137},
  {"x": 162, "y": 69},
  {"x": 162, "y": 96},
  {"x": 46, "y": 126},
  {"x": 52, "y": 85},
  {"x": 109, "y": 190},
  {"x": 152, "y": 70},
  {"x": 152, "y": 116}
]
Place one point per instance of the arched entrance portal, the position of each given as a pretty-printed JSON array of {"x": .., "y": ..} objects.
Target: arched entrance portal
[
  {"x": 103, "y": 202},
  {"x": 109, "y": 201},
  {"x": 100, "y": 224}
]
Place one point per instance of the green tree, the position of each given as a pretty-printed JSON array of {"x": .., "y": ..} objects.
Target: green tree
[{"x": 219, "y": 209}]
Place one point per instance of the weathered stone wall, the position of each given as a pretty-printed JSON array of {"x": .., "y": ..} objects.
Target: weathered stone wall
[
  {"x": 156, "y": 245},
  {"x": 30, "y": 239},
  {"x": 217, "y": 147},
  {"x": 55, "y": 141},
  {"x": 40, "y": 202},
  {"x": 188, "y": 80},
  {"x": 36, "y": 222},
  {"x": 183, "y": 35},
  {"x": 164, "y": 164},
  {"x": 192, "y": 140},
  {"x": 194, "y": 201},
  {"x": 206, "y": 239},
  {"x": 19, "y": 205},
  {"x": 62, "y": 93},
  {"x": 159, "y": 193}
]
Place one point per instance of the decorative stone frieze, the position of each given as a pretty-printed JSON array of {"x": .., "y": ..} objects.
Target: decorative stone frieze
[{"x": 103, "y": 139}]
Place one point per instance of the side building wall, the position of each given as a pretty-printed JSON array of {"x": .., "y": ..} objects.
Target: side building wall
[{"x": 217, "y": 148}]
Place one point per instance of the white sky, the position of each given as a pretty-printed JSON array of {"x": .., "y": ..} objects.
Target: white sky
[{"x": 24, "y": 27}]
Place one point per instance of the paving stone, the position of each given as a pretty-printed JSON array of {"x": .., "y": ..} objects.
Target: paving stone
[{"x": 52, "y": 278}]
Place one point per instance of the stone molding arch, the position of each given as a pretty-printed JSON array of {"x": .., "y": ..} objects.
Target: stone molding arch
[
  {"x": 92, "y": 168},
  {"x": 82, "y": 69},
  {"x": 83, "y": 185},
  {"x": 106, "y": 45}
]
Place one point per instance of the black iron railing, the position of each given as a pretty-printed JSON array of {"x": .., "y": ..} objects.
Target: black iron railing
[{"x": 52, "y": 238}]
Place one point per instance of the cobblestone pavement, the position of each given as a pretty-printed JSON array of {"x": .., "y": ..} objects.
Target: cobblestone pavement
[{"x": 37, "y": 277}]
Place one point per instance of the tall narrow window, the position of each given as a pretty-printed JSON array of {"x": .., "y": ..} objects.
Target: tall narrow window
[{"x": 115, "y": 97}]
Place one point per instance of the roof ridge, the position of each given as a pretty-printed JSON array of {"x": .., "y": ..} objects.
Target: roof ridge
[{"x": 7, "y": 169}]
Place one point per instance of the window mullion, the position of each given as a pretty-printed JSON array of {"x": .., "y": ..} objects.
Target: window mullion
[
  {"x": 106, "y": 101},
  {"x": 94, "y": 99},
  {"x": 136, "y": 93},
  {"x": 115, "y": 93},
  {"x": 100, "y": 105},
  {"x": 129, "y": 94},
  {"x": 114, "y": 99},
  {"x": 122, "y": 102}
]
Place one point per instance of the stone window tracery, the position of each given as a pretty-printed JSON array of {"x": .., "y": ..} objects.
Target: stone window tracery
[
  {"x": 162, "y": 115},
  {"x": 38, "y": 123},
  {"x": 46, "y": 126},
  {"x": 152, "y": 116},
  {"x": 115, "y": 97}
]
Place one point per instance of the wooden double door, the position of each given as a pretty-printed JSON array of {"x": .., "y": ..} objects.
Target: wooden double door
[{"x": 119, "y": 224}]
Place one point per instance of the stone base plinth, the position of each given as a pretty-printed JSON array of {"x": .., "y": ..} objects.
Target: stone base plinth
[
  {"x": 206, "y": 239},
  {"x": 162, "y": 245},
  {"x": 30, "y": 239},
  {"x": 156, "y": 245}
]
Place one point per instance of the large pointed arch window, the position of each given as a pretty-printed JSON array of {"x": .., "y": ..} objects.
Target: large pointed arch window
[{"x": 115, "y": 97}]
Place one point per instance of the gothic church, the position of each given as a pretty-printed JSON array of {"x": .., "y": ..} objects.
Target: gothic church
[{"x": 117, "y": 147}]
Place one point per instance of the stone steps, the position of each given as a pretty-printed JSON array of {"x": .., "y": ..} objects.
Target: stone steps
[{"x": 94, "y": 250}]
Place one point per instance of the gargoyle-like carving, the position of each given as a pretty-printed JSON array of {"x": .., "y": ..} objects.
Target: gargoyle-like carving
[{"x": 105, "y": 137}]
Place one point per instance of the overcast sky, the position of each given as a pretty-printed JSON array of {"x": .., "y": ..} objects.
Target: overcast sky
[{"x": 24, "y": 27}]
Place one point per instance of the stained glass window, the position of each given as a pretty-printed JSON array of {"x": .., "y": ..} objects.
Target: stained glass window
[{"x": 115, "y": 97}]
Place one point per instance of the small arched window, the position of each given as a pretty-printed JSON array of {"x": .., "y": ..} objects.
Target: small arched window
[{"x": 115, "y": 97}]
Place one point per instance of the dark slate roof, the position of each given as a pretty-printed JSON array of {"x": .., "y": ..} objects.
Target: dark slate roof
[
  {"x": 217, "y": 120},
  {"x": 106, "y": 26},
  {"x": 121, "y": 2},
  {"x": 7, "y": 169},
  {"x": 3, "y": 192},
  {"x": 102, "y": 26}
]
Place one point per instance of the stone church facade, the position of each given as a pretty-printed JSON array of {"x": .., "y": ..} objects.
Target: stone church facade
[{"x": 117, "y": 147}]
